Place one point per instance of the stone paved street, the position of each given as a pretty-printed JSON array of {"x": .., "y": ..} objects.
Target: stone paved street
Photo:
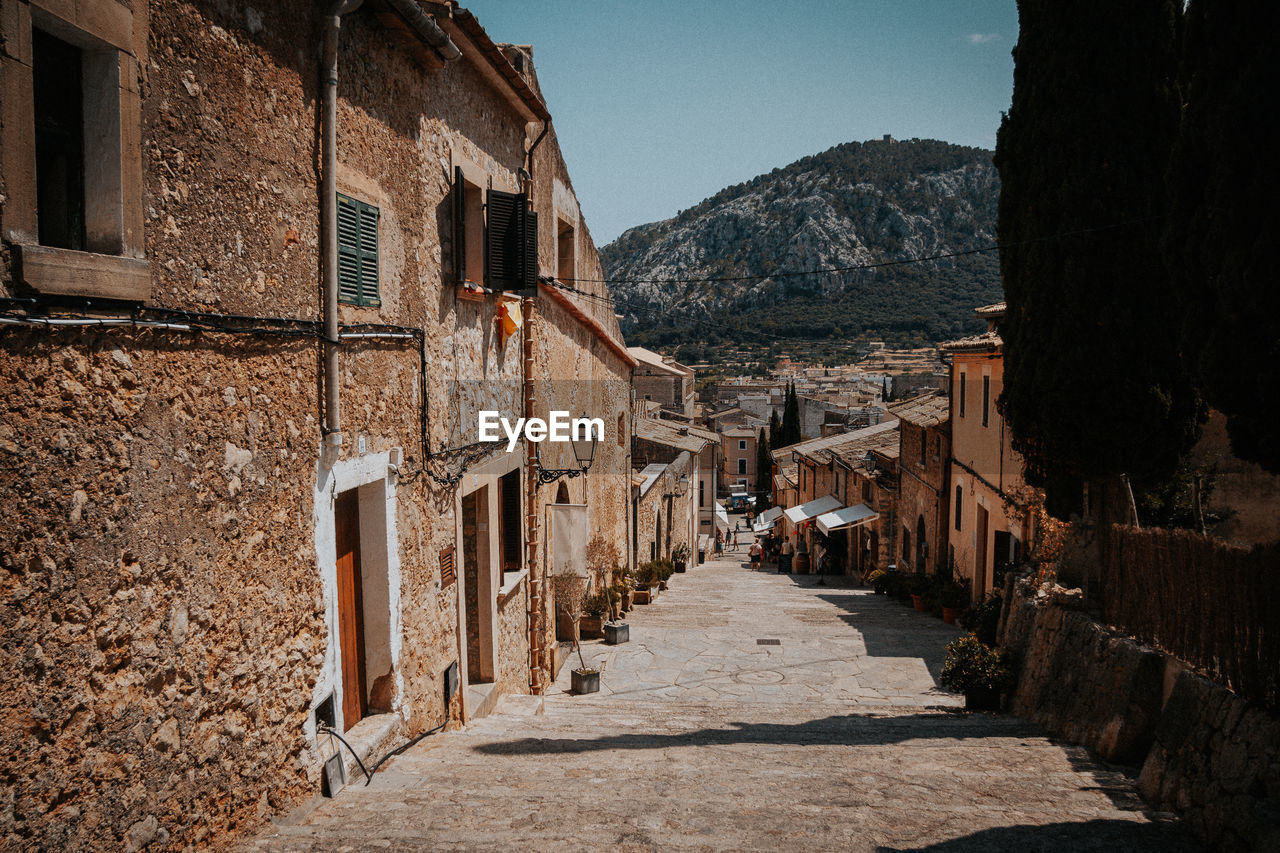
[{"x": 835, "y": 738}]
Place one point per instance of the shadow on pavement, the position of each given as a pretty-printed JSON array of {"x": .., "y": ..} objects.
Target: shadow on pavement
[
  {"x": 891, "y": 630},
  {"x": 1092, "y": 835},
  {"x": 841, "y": 730}
]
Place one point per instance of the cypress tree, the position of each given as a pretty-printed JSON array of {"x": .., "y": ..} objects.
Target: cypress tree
[
  {"x": 1223, "y": 219},
  {"x": 775, "y": 427},
  {"x": 1090, "y": 346},
  {"x": 790, "y": 419},
  {"x": 764, "y": 471}
]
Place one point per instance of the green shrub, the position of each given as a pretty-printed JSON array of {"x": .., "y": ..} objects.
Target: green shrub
[
  {"x": 973, "y": 665},
  {"x": 984, "y": 619},
  {"x": 596, "y": 603}
]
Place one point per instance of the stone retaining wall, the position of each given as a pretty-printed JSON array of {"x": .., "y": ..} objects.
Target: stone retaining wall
[{"x": 1204, "y": 752}]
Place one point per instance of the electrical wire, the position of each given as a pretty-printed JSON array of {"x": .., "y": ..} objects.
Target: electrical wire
[{"x": 354, "y": 754}]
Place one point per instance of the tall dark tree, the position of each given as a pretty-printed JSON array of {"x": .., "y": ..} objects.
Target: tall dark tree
[
  {"x": 764, "y": 471},
  {"x": 1223, "y": 221},
  {"x": 1093, "y": 383},
  {"x": 790, "y": 432},
  {"x": 775, "y": 427}
]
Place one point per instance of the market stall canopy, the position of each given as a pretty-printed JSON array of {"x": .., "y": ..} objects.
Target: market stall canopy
[
  {"x": 767, "y": 519},
  {"x": 850, "y": 516},
  {"x": 812, "y": 509},
  {"x": 722, "y": 518}
]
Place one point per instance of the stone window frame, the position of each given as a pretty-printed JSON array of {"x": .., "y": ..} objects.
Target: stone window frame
[{"x": 115, "y": 266}]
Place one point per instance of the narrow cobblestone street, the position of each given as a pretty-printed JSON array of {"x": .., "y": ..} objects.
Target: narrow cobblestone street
[{"x": 705, "y": 738}]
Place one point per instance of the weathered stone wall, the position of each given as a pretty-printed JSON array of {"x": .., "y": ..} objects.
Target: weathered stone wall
[
  {"x": 666, "y": 521},
  {"x": 513, "y": 639},
  {"x": 922, "y": 493},
  {"x": 161, "y": 647},
  {"x": 167, "y": 609},
  {"x": 1203, "y": 751},
  {"x": 1216, "y": 759},
  {"x": 1082, "y": 681}
]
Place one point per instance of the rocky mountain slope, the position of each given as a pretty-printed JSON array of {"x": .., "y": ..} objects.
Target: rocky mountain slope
[{"x": 851, "y": 206}]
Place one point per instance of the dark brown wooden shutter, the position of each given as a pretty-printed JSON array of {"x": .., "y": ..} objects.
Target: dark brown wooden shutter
[
  {"x": 459, "y": 226},
  {"x": 502, "y": 240},
  {"x": 529, "y": 272}
]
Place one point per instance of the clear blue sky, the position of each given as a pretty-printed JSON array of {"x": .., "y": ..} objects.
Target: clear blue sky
[{"x": 661, "y": 103}]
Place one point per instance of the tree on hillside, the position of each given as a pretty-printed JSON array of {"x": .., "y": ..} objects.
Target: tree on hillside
[
  {"x": 1090, "y": 347},
  {"x": 764, "y": 471},
  {"x": 1223, "y": 219}
]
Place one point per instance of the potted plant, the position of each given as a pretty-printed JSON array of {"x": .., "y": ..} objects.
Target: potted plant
[
  {"x": 585, "y": 679},
  {"x": 680, "y": 557},
  {"x": 646, "y": 583},
  {"x": 955, "y": 598},
  {"x": 664, "y": 569},
  {"x": 595, "y": 608},
  {"x": 976, "y": 670},
  {"x": 878, "y": 580},
  {"x": 916, "y": 587}
]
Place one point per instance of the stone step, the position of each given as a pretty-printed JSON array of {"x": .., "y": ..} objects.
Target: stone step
[
  {"x": 520, "y": 705},
  {"x": 481, "y": 700}
]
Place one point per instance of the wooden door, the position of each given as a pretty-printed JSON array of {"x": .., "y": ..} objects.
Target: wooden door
[
  {"x": 350, "y": 608},
  {"x": 980, "y": 569}
]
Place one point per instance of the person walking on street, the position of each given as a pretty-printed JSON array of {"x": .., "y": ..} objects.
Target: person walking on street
[
  {"x": 735, "y": 539},
  {"x": 784, "y": 556},
  {"x": 755, "y": 552}
]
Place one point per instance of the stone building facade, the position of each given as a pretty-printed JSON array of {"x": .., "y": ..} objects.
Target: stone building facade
[
  {"x": 739, "y": 454},
  {"x": 924, "y": 475},
  {"x": 243, "y": 507},
  {"x": 854, "y": 474},
  {"x": 989, "y": 519}
]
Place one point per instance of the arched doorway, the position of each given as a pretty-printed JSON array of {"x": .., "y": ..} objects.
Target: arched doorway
[{"x": 562, "y": 493}]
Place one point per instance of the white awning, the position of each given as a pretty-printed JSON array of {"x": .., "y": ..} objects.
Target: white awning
[
  {"x": 722, "y": 518},
  {"x": 850, "y": 516},
  {"x": 767, "y": 519},
  {"x": 812, "y": 509}
]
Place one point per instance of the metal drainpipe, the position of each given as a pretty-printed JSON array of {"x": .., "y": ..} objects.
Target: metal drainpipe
[
  {"x": 537, "y": 576},
  {"x": 329, "y": 216},
  {"x": 429, "y": 32}
]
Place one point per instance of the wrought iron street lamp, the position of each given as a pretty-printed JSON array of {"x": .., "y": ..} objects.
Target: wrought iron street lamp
[
  {"x": 682, "y": 488},
  {"x": 584, "y": 451}
]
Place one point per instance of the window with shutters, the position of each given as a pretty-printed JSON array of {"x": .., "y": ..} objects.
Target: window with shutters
[
  {"x": 495, "y": 236},
  {"x": 357, "y": 253},
  {"x": 511, "y": 242},
  {"x": 468, "y": 230}
]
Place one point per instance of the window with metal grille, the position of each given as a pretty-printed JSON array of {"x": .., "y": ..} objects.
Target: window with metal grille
[
  {"x": 357, "y": 252},
  {"x": 959, "y": 504}
]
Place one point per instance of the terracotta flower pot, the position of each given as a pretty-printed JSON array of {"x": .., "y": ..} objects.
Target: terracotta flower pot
[
  {"x": 917, "y": 601},
  {"x": 950, "y": 614}
]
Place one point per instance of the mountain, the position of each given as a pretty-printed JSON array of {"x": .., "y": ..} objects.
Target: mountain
[{"x": 853, "y": 205}]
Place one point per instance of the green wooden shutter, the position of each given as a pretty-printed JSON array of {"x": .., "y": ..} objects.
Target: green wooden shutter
[{"x": 357, "y": 252}]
